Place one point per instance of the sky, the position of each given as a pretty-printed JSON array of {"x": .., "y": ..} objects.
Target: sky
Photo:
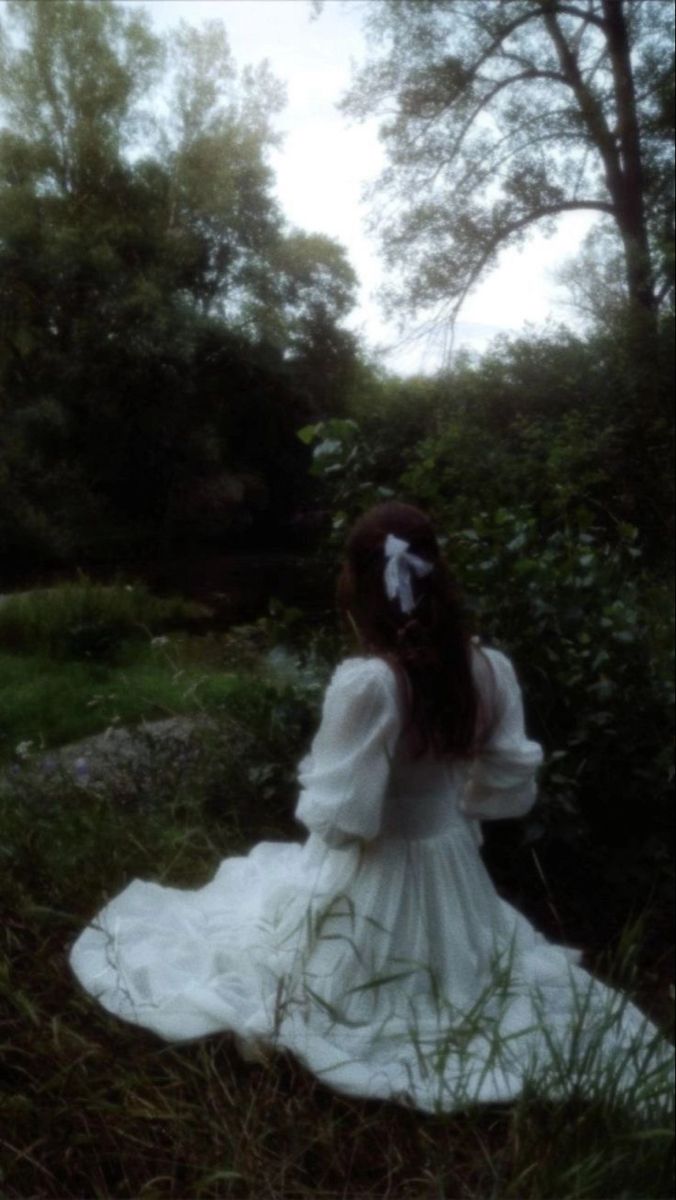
[{"x": 325, "y": 161}]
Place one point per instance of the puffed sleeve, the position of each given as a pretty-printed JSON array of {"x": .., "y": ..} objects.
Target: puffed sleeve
[
  {"x": 502, "y": 779},
  {"x": 344, "y": 777}
]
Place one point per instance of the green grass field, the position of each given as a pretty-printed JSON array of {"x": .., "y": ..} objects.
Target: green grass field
[{"x": 51, "y": 703}]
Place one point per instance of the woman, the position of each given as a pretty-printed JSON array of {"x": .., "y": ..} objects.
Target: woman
[{"x": 379, "y": 952}]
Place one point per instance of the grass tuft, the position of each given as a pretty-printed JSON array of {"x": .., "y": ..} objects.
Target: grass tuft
[{"x": 88, "y": 620}]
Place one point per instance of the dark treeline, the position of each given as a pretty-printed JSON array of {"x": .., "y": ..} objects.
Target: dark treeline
[{"x": 163, "y": 333}]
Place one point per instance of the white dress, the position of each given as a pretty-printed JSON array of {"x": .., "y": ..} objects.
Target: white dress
[{"x": 379, "y": 951}]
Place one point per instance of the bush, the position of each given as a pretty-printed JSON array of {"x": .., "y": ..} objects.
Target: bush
[
  {"x": 86, "y": 620},
  {"x": 529, "y": 508}
]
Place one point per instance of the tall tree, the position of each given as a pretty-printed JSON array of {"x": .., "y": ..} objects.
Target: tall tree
[
  {"x": 222, "y": 215},
  {"x": 154, "y": 305},
  {"x": 500, "y": 115},
  {"x": 314, "y": 284}
]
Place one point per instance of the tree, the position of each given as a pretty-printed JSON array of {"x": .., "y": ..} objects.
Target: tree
[
  {"x": 595, "y": 281},
  {"x": 315, "y": 284},
  {"x": 500, "y": 116},
  {"x": 157, "y": 315},
  {"x": 222, "y": 217}
]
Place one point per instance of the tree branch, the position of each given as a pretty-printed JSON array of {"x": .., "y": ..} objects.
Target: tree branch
[
  {"x": 590, "y": 109},
  {"x": 535, "y": 14},
  {"x": 588, "y": 16},
  {"x": 663, "y": 291},
  {"x": 474, "y": 177},
  {"x": 512, "y": 227},
  {"x": 530, "y": 74}
]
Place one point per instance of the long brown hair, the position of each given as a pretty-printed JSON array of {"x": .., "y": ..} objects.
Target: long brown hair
[{"x": 428, "y": 648}]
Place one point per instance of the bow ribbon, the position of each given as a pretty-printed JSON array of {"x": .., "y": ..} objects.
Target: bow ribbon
[{"x": 400, "y": 566}]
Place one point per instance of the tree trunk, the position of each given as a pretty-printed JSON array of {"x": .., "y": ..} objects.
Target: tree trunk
[
  {"x": 629, "y": 202},
  {"x": 644, "y": 425}
]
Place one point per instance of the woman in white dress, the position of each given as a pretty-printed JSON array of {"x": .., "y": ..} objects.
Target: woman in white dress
[{"x": 378, "y": 951}]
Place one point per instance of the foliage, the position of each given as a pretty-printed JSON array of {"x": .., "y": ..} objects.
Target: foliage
[
  {"x": 85, "y": 659},
  {"x": 500, "y": 116},
  {"x": 55, "y": 621},
  {"x": 555, "y": 526},
  {"x": 161, "y": 328},
  {"x": 572, "y": 609},
  {"x": 594, "y": 280},
  {"x": 46, "y": 704},
  {"x": 341, "y": 455},
  {"x": 549, "y": 419}
]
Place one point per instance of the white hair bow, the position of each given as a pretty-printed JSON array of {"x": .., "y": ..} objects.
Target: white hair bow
[{"x": 400, "y": 566}]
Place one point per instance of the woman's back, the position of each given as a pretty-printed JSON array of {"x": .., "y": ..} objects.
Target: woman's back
[{"x": 423, "y": 795}]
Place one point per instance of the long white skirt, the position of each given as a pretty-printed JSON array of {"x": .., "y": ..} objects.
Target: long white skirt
[{"x": 391, "y": 970}]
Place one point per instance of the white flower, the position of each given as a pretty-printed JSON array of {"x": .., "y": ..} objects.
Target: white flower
[{"x": 23, "y": 749}]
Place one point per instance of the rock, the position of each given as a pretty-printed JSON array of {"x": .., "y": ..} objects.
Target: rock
[{"x": 119, "y": 755}]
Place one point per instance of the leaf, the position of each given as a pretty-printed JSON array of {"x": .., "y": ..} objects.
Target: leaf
[
  {"x": 380, "y": 981},
  {"x": 308, "y": 434},
  {"x": 526, "y": 566},
  {"x": 341, "y": 428}
]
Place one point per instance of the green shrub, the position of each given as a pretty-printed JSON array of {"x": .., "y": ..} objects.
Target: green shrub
[
  {"x": 557, "y": 579},
  {"x": 87, "y": 620},
  {"x": 47, "y": 703}
]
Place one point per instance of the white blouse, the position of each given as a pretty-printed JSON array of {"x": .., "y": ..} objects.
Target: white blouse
[{"x": 359, "y": 781}]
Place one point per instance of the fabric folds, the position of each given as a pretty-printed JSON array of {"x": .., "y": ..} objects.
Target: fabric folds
[
  {"x": 502, "y": 780},
  {"x": 344, "y": 778},
  {"x": 378, "y": 951}
]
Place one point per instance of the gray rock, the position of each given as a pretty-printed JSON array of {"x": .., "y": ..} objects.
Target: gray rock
[{"x": 121, "y": 754}]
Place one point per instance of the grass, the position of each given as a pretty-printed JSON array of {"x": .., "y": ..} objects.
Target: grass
[
  {"x": 95, "y": 1108},
  {"x": 78, "y": 658},
  {"x": 50, "y": 702},
  {"x": 86, "y": 619}
]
